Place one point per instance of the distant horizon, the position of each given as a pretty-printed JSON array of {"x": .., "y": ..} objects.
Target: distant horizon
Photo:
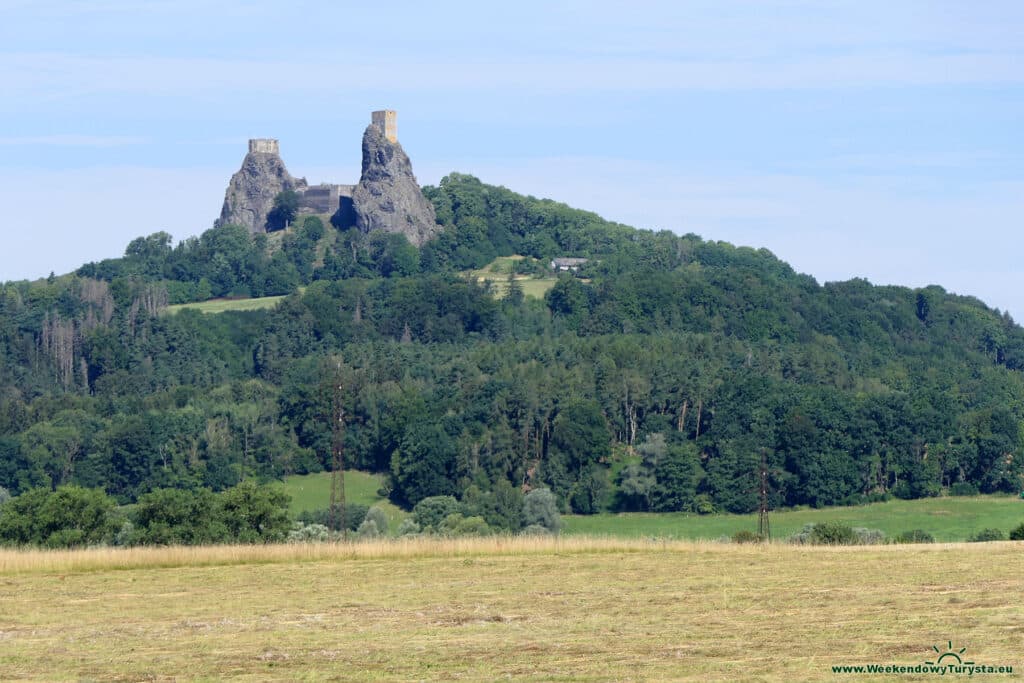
[{"x": 850, "y": 140}]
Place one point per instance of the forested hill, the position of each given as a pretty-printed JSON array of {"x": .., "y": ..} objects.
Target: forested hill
[{"x": 656, "y": 377}]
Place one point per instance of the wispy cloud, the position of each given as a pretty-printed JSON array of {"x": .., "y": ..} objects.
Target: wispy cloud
[
  {"x": 72, "y": 140},
  {"x": 25, "y": 75}
]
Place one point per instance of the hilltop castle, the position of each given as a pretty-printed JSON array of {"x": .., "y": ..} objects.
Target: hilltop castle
[{"x": 387, "y": 196}]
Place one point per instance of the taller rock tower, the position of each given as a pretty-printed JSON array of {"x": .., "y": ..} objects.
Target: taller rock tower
[{"x": 388, "y": 197}]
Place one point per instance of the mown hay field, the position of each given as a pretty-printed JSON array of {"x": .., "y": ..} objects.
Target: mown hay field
[{"x": 572, "y": 609}]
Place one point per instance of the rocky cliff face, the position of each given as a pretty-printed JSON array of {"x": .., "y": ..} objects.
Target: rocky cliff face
[
  {"x": 388, "y": 197},
  {"x": 250, "y": 194}
]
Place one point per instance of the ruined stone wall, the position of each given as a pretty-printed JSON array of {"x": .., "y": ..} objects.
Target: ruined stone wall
[
  {"x": 323, "y": 198},
  {"x": 264, "y": 146}
]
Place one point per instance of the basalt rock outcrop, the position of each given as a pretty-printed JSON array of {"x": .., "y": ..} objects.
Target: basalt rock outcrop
[
  {"x": 251, "y": 191},
  {"x": 388, "y": 197}
]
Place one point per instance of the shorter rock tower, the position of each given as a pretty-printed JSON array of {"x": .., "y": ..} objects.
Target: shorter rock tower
[{"x": 251, "y": 191}]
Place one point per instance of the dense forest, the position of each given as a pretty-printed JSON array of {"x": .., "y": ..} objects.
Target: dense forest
[{"x": 659, "y": 377}]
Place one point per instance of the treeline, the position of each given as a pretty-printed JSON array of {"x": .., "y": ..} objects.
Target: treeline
[
  {"x": 71, "y": 516},
  {"x": 659, "y": 379}
]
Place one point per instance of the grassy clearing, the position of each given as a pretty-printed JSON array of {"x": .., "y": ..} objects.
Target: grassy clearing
[
  {"x": 497, "y": 271},
  {"x": 486, "y": 609},
  {"x": 313, "y": 492},
  {"x": 222, "y": 305},
  {"x": 947, "y": 519}
]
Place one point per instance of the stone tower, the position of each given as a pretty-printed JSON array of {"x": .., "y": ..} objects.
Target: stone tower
[
  {"x": 264, "y": 146},
  {"x": 387, "y": 121}
]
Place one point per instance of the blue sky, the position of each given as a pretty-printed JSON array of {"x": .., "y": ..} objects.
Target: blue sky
[{"x": 853, "y": 139}]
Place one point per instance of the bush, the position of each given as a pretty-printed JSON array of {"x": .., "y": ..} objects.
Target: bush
[
  {"x": 408, "y": 527},
  {"x": 986, "y": 535},
  {"x": 540, "y": 507},
  {"x": 308, "y": 533},
  {"x": 746, "y": 536},
  {"x": 1018, "y": 533},
  {"x": 178, "y": 517},
  {"x": 535, "y": 530},
  {"x": 368, "y": 529},
  {"x": 703, "y": 505},
  {"x": 354, "y": 516},
  {"x": 68, "y": 517},
  {"x": 915, "y": 536},
  {"x": 378, "y": 517},
  {"x": 963, "y": 488},
  {"x": 457, "y": 525},
  {"x": 833, "y": 533},
  {"x": 802, "y": 537},
  {"x": 869, "y": 536},
  {"x": 431, "y": 511},
  {"x": 255, "y": 514}
]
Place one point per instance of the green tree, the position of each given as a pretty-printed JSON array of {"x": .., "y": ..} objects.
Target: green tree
[
  {"x": 423, "y": 464},
  {"x": 256, "y": 514},
  {"x": 540, "y": 508},
  {"x": 178, "y": 517},
  {"x": 68, "y": 517},
  {"x": 286, "y": 206}
]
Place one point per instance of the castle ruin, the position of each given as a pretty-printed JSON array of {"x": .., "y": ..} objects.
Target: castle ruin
[{"x": 389, "y": 188}]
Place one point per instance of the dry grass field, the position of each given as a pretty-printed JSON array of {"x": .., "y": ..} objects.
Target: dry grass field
[{"x": 574, "y": 609}]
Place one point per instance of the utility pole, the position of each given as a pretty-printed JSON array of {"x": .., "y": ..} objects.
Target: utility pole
[
  {"x": 337, "y": 509},
  {"x": 764, "y": 529}
]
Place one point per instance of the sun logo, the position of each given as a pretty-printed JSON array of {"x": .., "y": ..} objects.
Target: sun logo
[{"x": 950, "y": 653}]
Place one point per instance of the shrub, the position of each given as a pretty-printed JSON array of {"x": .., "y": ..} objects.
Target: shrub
[
  {"x": 986, "y": 535},
  {"x": 178, "y": 517},
  {"x": 703, "y": 505},
  {"x": 535, "y": 530},
  {"x": 408, "y": 527},
  {"x": 746, "y": 536},
  {"x": 368, "y": 529},
  {"x": 68, "y": 517},
  {"x": 431, "y": 511},
  {"x": 869, "y": 536},
  {"x": 457, "y": 525},
  {"x": 963, "y": 488},
  {"x": 308, "y": 533},
  {"x": 255, "y": 514},
  {"x": 833, "y": 533},
  {"x": 915, "y": 536},
  {"x": 354, "y": 516},
  {"x": 803, "y": 536},
  {"x": 541, "y": 507},
  {"x": 1018, "y": 533},
  {"x": 378, "y": 517}
]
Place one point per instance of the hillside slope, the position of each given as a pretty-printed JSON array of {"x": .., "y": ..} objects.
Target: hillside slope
[{"x": 656, "y": 378}]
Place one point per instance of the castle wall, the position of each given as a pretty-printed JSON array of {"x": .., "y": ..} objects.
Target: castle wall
[
  {"x": 264, "y": 146},
  {"x": 323, "y": 198}
]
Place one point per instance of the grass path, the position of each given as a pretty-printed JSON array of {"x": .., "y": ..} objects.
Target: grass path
[{"x": 534, "y": 610}]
